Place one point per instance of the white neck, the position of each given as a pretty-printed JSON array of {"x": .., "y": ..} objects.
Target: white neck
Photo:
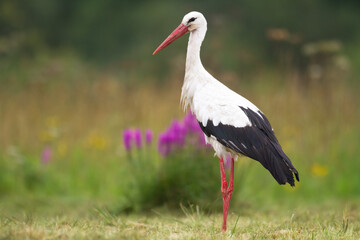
[
  {"x": 194, "y": 68},
  {"x": 193, "y": 50}
]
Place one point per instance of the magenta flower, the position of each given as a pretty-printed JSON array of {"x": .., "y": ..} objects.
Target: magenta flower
[
  {"x": 177, "y": 133},
  {"x": 127, "y": 139},
  {"x": 164, "y": 144},
  {"x": 191, "y": 124},
  {"x": 227, "y": 161},
  {"x": 137, "y": 136},
  {"x": 172, "y": 138},
  {"x": 193, "y": 128},
  {"x": 148, "y": 136},
  {"x": 46, "y": 154},
  {"x": 201, "y": 140}
]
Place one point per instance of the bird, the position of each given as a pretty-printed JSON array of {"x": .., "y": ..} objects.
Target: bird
[{"x": 232, "y": 125}]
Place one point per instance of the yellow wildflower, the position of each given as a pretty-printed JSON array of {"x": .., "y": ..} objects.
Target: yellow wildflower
[
  {"x": 319, "y": 170},
  {"x": 62, "y": 148},
  {"x": 52, "y": 122},
  {"x": 96, "y": 141}
]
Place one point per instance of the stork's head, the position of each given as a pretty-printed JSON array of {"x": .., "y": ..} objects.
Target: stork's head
[
  {"x": 191, "y": 22},
  {"x": 194, "y": 20}
]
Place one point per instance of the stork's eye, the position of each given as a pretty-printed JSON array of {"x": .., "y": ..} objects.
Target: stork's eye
[{"x": 191, "y": 20}]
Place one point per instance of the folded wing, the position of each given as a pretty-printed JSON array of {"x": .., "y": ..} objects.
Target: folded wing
[{"x": 256, "y": 141}]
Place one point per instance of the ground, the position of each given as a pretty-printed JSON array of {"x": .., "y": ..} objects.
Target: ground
[{"x": 334, "y": 220}]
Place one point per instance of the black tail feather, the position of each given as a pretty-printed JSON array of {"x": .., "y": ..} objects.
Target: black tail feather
[{"x": 280, "y": 168}]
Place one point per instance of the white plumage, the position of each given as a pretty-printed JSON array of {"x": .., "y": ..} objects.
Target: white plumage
[
  {"x": 206, "y": 97},
  {"x": 231, "y": 123}
]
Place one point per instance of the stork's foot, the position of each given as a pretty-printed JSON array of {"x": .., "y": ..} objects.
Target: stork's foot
[{"x": 225, "y": 190}]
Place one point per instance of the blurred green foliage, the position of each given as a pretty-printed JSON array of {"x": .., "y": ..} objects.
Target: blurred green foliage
[{"x": 123, "y": 34}]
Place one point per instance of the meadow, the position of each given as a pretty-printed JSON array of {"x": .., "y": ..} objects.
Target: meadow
[{"x": 65, "y": 173}]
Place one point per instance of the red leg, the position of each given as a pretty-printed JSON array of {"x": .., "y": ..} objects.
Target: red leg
[
  {"x": 225, "y": 190},
  {"x": 231, "y": 184},
  {"x": 223, "y": 177}
]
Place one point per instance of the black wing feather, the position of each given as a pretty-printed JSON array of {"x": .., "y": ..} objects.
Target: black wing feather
[{"x": 258, "y": 142}]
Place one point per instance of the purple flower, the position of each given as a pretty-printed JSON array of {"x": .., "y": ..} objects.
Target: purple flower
[
  {"x": 180, "y": 133},
  {"x": 191, "y": 124},
  {"x": 127, "y": 139},
  {"x": 228, "y": 161},
  {"x": 202, "y": 141},
  {"x": 148, "y": 136},
  {"x": 177, "y": 133},
  {"x": 46, "y": 154},
  {"x": 172, "y": 138},
  {"x": 164, "y": 144},
  {"x": 137, "y": 136},
  {"x": 193, "y": 128}
]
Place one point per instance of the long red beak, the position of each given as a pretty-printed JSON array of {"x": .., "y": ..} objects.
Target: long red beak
[{"x": 178, "y": 32}]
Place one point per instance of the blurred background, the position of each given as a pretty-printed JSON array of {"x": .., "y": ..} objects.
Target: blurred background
[{"x": 88, "y": 117}]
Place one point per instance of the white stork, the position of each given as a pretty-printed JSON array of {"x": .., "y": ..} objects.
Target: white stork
[{"x": 231, "y": 123}]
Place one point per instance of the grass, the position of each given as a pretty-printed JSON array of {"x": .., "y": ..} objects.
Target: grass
[{"x": 76, "y": 220}]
